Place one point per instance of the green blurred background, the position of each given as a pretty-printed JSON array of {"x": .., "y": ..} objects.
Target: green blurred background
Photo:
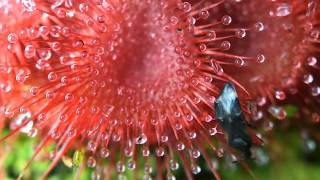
[{"x": 284, "y": 157}]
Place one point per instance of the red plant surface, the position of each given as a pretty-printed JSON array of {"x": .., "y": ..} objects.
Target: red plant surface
[
  {"x": 290, "y": 42},
  {"x": 130, "y": 77}
]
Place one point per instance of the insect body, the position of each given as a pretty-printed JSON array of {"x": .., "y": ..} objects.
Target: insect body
[{"x": 232, "y": 120}]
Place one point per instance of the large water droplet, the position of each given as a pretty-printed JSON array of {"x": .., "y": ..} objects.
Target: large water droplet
[
  {"x": 141, "y": 139},
  {"x": 277, "y": 112},
  {"x": 180, "y": 146},
  {"x": 226, "y": 20},
  {"x": 91, "y": 162},
  {"x": 315, "y": 91},
  {"x": 107, "y": 110},
  {"x": 283, "y": 9},
  {"x": 160, "y": 151},
  {"x": 213, "y": 131},
  {"x": 195, "y": 153},
  {"x": 308, "y": 78},
  {"x": 29, "y": 5},
  {"x": 174, "y": 165},
  {"x": 92, "y": 146},
  {"x": 29, "y": 51},
  {"x": 120, "y": 167},
  {"x": 104, "y": 152},
  {"x": 280, "y": 95},
  {"x": 195, "y": 169},
  {"x": 131, "y": 164}
]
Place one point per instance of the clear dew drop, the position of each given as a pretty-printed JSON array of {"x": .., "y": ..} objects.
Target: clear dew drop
[
  {"x": 310, "y": 145},
  {"x": 107, "y": 110},
  {"x": 220, "y": 152},
  {"x": 131, "y": 164},
  {"x": 91, "y": 162},
  {"x": 174, "y": 20},
  {"x": 268, "y": 125},
  {"x": 164, "y": 138},
  {"x": 195, "y": 169},
  {"x": 95, "y": 175},
  {"x": 55, "y": 135},
  {"x": 33, "y": 132},
  {"x": 44, "y": 30},
  {"x": 191, "y": 21},
  {"x": 145, "y": 151},
  {"x": 29, "y": 51},
  {"x": 186, "y": 7},
  {"x": 45, "y": 54},
  {"x": 213, "y": 131},
  {"x": 120, "y": 167},
  {"x": 116, "y": 137},
  {"x": 154, "y": 122},
  {"x": 171, "y": 177},
  {"x": 33, "y": 33},
  {"x": 83, "y": 7},
  {"x": 52, "y": 76},
  {"x": 315, "y": 34},
  {"x": 128, "y": 151},
  {"x": 202, "y": 47},
  {"x": 240, "y": 33},
  {"x": 29, "y": 5},
  {"x": 239, "y": 62},
  {"x": 104, "y": 153},
  {"x": 178, "y": 126},
  {"x": 71, "y": 133},
  {"x": 22, "y": 76},
  {"x": 225, "y": 45},
  {"x": 56, "y": 46},
  {"x": 147, "y": 169},
  {"x": 208, "y": 118},
  {"x": 42, "y": 117},
  {"x": 12, "y": 38},
  {"x": 315, "y": 117},
  {"x": 174, "y": 165},
  {"x": 308, "y": 78},
  {"x": 315, "y": 91},
  {"x": 68, "y": 97},
  {"x": 283, "y": 9},
  {"x": 226, "y": 20},
  {"x": 180, "y": 146},
  {"x": 195, "y": 153},
  {"x": 204, "y": 14},
  {"x": 261, "y": 101},
  {"x": 34, "y": 91},
  {"x": 5, "y": 87},
  {"x": 160, "y": 151},
  {"x": 192, "y": 135},
  {"x": 141, "y": 139},
  {"x": 311, "y": 61},
  {"x": 261, "y": 157},
  {"x": 212, "y": 35},
  {"x": 259, "y": 26},
  {"x": 277, "y": 112},
  {"x": 281, "y": 95},
  {"x": 147, "y": 177},
  {"x": 261, "y": 58},
  {"x": 189, "y": 117},
  {"x": 92, "y": 146}
]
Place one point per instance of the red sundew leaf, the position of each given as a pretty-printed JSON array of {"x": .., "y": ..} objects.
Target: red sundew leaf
[{"x": 122, "y": 75}]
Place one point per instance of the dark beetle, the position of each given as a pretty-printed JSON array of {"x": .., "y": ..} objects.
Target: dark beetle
[{"x": 232, "y": 120}]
